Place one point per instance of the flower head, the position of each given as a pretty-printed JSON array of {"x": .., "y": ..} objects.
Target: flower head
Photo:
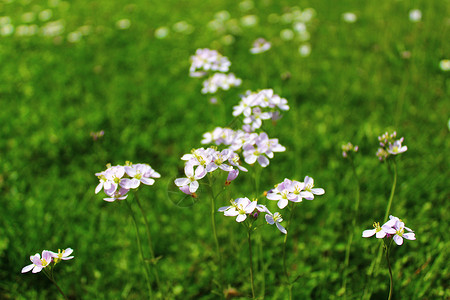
[
  {"x": 260, "y": 46},
  {"x": 62, "y": 255},
  {"x": 348, "y": 148},
  {"x": 38, "y": 263},
  {"x": 275, "y": 219}
]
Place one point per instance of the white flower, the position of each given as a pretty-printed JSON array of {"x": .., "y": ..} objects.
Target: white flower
[
  {"x": 415, "y": 15},
  {"x": 260, "y": 46},
  {"x": 275, "y": 219},
  {"x": 191, "y": 177},
  {"x": 309, "y": 191},
  {"x": 239, "y": 208},
  {"x": 349, "y": 17},
  {"x": 396, "y": 147},
  {"x": 444, "y": 65}
]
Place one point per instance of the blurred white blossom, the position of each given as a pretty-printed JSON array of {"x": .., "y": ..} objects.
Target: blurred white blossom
[
  {"x": 444, "y": 65},
  {"x": 249, "y": 21},
  {"x": 162, "y": 32},
  {"x": 304, "y": 50},
  {"x": 415, "y": 15},
  {"x": 123, "y": 24},
  {"x": 349, "y": 17}
]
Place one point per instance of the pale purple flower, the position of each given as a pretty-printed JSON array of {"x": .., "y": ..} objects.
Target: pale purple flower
[
  {"x": 138, "y": 173},
  {"x": 309, "y": 190},
  {"x": 62, "y": 255},
  {"x": 120, "y": 194},
  {"x": 239, "y": 208},
  {"x": 260, "y": 45},
  {"x": 275, "y": 219},
  {"x": 208, "y": 60},
  {"x": 191, "y": 177},
  {"x": 38, "y": 263},
  {"x": 348, "y": 148},
  {"x": 379, "y": 231},
  {"x": 396, "y": 147},
  {"x": 218, "y": 160},
  {"x": 283, "y": 193},
  {"x": 110, "y": 179},
  {"x": 220, "y": 81}
]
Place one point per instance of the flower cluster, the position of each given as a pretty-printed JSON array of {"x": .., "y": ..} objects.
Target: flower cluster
[
  {"x": 202, "y": 161},
  {"x": 48, "y": 257},
  {"x": 394, "y": 228},
  {"x": 389, "y": 145},
  {"x": 348, "y": 148},
  {"x": 206, "y": 60},
  {"x": 258, "y": 106},
  {"x": 220, "y": 81},
  {"x": 260, "y": 45},
  {"x": 116, "y": 181},
  {"x": 295, "y": 191},
  {"x": 256, "y": 147},
  {"x": 243, "y": 207}
]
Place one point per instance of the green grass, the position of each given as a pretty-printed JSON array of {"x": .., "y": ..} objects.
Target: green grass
[{"x": 354, "y": 86}]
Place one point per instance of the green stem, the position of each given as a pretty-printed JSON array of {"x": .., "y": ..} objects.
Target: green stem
[
  {"x": 251, "y": 260},
  {"x": 147, "y": 272},
  {"x": 350, "y": 238},
  {"x": 288, "y": 281},
  {"x": 388, "y": 209},
  {"x": 54, "y": 282},
  {"x": 391, "y": 282},
  {"x": 374, "y": 266},
  {"x": 152, "y": 253},
  {"x": 213, "y": 225}
]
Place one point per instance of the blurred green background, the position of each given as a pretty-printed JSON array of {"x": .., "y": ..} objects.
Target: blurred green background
[{"x": 69, "y": 68}]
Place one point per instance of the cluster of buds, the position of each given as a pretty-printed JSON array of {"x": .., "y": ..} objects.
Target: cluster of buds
[
  {"x": 348, "y": 148},
  {"x": 220, "y": 81},
  {"x": 294, "y": 191},
  {"x": 389, "y": 145},
  {"x": 48, "y": 259},
  {"x": 394, "y": 228},
  {"x": 117, "y": 181},
  {"x": 97, "y": 135},
  {"x": 258, "y": 106},
  {"x": 256, "y": 147},
  {"x": 243, "y": 207},
  {"x": 260, "y": 45},
  {"x": 202, "y": 161}
]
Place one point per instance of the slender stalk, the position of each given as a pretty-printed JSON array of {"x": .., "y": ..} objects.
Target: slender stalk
[
  {"x": 147, "y": 272},
  {"x": 394, "y": 183},
  {"x": 251, "y": 260},
  {"x": 350, "y": 238},
  {"x": 288, "y": 281},
  {"x": 374, "y": 266},
  {"x": 213, "y": 225},
  {"x": 391, "y": 280},
  {"x": 52, "y": 279},
  {"x": 152, "y": 253}
]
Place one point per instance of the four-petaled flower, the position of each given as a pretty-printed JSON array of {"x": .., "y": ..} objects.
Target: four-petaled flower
[
  {"x": 62, "y": 255},
  {"x": 275, "y": 219},
  {"x": 239, "y": 208},
  {"x": 192, "y": 177},
  {"x": 38, "y": 263}
]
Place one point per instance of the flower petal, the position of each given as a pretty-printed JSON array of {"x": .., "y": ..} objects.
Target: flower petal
[
  {"x": 281, "y": 228},
  {"x": 27, "y": 268}
]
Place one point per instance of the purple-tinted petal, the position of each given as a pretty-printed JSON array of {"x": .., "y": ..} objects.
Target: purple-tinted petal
[
  {"x": 398, "y": 239},
  {"x": 282, "y": 203},
  {"x": 223, "y": 208},
  {"x": 241, "y": 218},
  {"x": 147, "y": 181},
  {"x": 273, "y": 196},
  {"x": 318, "y": 191},
  {"x": 307, "y": 195},
  {"x": 250, "y": 207},
  {"x": 281, "y": 228},
  {"x": 263, "y": 161},
  {"x": 68, "y": 251},
  {"x": 193, "y": 186},
  {"x": 269, "y": 219},
  {"x": 27, "y": 268},
  {"x": 380, "y": 234},
  {"x": 409, "y": 236},
  {"x": 368, "y": 233},
  {"x": 99, "y": 187},
  {"x": 182, "y": 181},
  {"x": 37, "y": 269}
]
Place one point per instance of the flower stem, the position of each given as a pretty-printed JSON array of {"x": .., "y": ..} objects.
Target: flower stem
[
  {"x": 288, "y": 281},
  {"x": 374, "y": 266},
  {"x": 391, "y": 280},
  {"x": 251, "y": 260},
  {"x": 54, "y": 282},
  {"x": 350, "y": 238},
  {"x": 213, "y": 225},
  {"x": 152, "y": 253},
  {"x": 147, "y": 272}
]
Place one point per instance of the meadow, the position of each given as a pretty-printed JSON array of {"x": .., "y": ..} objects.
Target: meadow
[{"x": 73, "y": 68}]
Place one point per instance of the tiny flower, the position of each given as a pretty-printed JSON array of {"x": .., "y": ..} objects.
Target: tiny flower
[
  {"x": 309, "y": 191},
  {"x": 38, "y": 263},
  {"x": 283, "y": 193},
  {"x": 275, "y": 219},
  {"x": 62, "y": 255},
  {"x": 346, "y": 148},
  {"x": 380, "y": 232},
  {"x": 396, "y": 147},
  {"x": 232, "y": 175},
  {"x": 415, "y": 15},
  {"x": 349, "y": 17},
  {"x": 239, "y": 208},
  {"x": 444, "y": 65},
  {"x": 400, "y": 234},
  {"x": 191, "y": 177},
  {"x": 260, "y": 46},
  {"x": 120, "y": 194},
  {"x": 138, "y": 173}
]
